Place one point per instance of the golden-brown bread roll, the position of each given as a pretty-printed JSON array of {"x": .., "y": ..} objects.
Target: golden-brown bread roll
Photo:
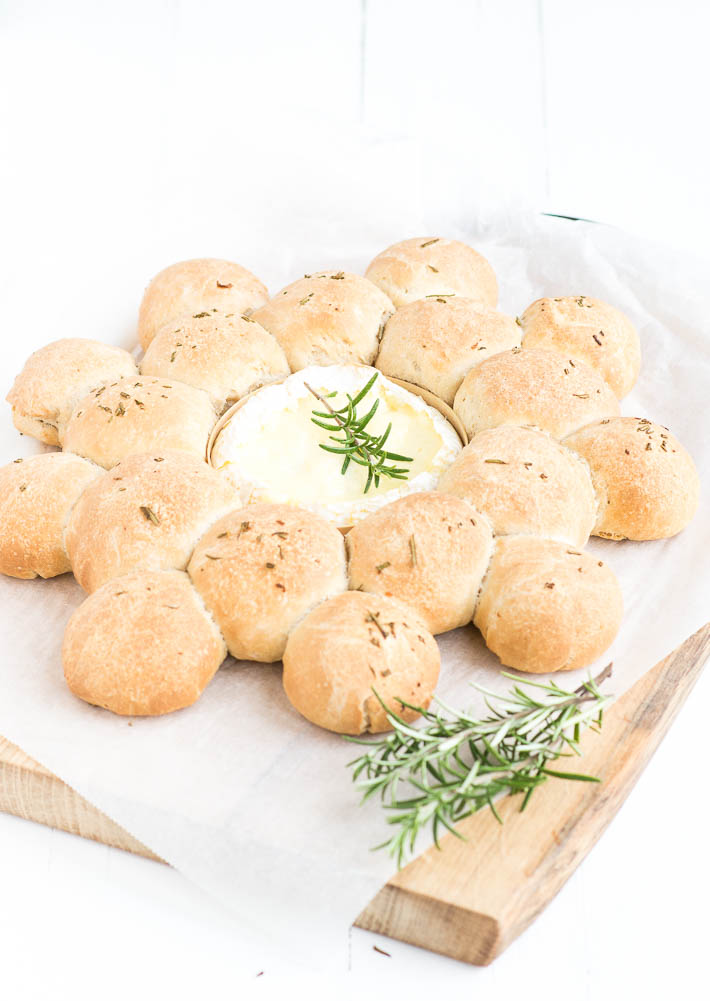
[
  {"x": 261, "y": 569},
  {"x": 578, "y": 326},
  {"x": 432, "y": 266},
  {"x": 226, "y": 356},
  {"x": 435, "y": 342},
  {"x": 189, "y": 288},
  {"x": 142, "y": 645},
  {"x": 36, "y": 496},
  {"x": 147, "y": 513},
  {"x": 545, "y": 606},
  {"x": 647, "y": 484},
  {"x": 140, "y": 415},
  {"x": 328, "y": 317},
  {"x": 536, "y": 388},
  {"x": 430, "y": 550},
  {"x": 347, "y": 647},
  {"x": 526, "y": 482},
  {"x": 56, "y": 377}
]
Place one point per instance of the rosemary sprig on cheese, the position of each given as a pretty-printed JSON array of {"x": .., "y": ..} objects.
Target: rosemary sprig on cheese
[
  {"x": 454, "y": 765},
  {"x": 355, "y": 443}
]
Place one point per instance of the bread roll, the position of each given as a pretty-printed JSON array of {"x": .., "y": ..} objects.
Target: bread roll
[
  {"x": 431, "y": 266},
  {"x": 646, "y": 482},
  {"x": 578, "y": 326},
  {"x": 429, "y": 550},
  {"x": 226, "y": 356},
  {"x": 36, "y": 496},
  {"x": 547, "y": 607},
  {"x": 261, "y": 569},
  {"x": 532, "y": 387},
  {"x": 435, "y": 342},
  {"x": 147, "y": 513},
  {"x": 352, "y": 646},
  {"x": 198, "y": 286},
  {"x": 140, "y": 415},
  {"x": 56, "y": 377},
  {"x": 526, "y": 482},
  {"x": 329, "y": 317},
  {"x": 142, "y": 645}
]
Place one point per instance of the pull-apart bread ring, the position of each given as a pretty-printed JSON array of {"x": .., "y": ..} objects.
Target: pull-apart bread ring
[
  {"x": 435, "y": 342},
  {"x": 36, "y": 496},
  {"x": 430, "y": 550},
  {"x": 536, "y": 388},
  {"x": 596, "y": 333},
  {"x": 191, "y": 288},
  {"x": 56, "y": 377},
  {"x": 431, "y": 266},
  {"x": 347, "y": 647},
  {"x": 225, "y": 355},
  {"x": 547, "y": 607},
  {"x": 327, "y": 318},
  {"x": 147, "y": 513},
  {"x": 140, "y": 415},
  {"x": 261, "y": 569},
  {"x": 647, "y": 483},
  {"x": 142, "y": 645},
  {"x": 527, "y": 483}
]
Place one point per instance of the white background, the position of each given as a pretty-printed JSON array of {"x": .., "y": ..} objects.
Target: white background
[{"x": 138, "y": 133}]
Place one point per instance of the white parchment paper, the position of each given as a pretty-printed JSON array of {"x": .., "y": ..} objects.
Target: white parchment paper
[{"x": 241, "y": 794}]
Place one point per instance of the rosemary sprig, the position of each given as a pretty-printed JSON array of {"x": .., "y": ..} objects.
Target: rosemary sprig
[
  {"x": 454, "y": 765},
  {"x": 357, "y": 444}
]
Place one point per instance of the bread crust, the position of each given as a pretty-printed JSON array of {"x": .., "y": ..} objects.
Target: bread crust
[
  {"x": 145, "y": 414},
  {"x": 433, "y": 266},
  {"x": 434, "y": 343},
  {"x": 429, "y": 550},
  {"x": 327, "y": 317},
  {"x": 142, "y": 645},
  {"x": 56, "y": 377},
  {"x": 227, "y": 356},
  {"x": 36, "y": 496},
  {"x": 261, "y": 569},
  {"x": 547, "y": 607},
  {"x": 197, "y": 286},
  {"x": 646, "y": 482},
  {"x": 536, "y": 388},
  {"x": 527, "y": 483},
  {"x": 147, "y": 513},
  {"x": 582, "y": 327},
  {"x": 347, "y": 647}
]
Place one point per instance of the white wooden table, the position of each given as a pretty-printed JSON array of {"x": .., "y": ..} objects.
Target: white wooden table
[{"x": 118, "y": 123}]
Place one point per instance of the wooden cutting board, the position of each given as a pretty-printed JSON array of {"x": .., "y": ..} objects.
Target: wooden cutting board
[{"x": 473, "y": 898}]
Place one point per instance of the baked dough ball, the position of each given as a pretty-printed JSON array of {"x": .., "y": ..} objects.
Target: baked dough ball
[
  {"x": 435, "y": 342},
  {"x": 140, "y": 415},
  {"x": 527, "y": 483},
  {"x": 147, "y": 513},
  {"x": 646, "y": 482},
  {"x": 227, "y": 356},
  {"x": 429, "y": 550},
  {"x": 56, "y": 377},
  {"x": 349, "y": 646},
  {"x": 198, "y": 286},
  {"x": 539, "y": 388},
  {"x": 432, "y": 266},
  {"x": 326, "y": 318},
  {"x": 578, "y": 326},
  {"x": 547, "y": 607},
  {"x": 142, "y": 645},
  {"x": 36, "y": 495},
  {"x": 261, "y": 569}
]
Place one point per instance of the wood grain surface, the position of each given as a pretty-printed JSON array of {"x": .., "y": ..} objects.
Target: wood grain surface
[{"x": 472, "y": 898}]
